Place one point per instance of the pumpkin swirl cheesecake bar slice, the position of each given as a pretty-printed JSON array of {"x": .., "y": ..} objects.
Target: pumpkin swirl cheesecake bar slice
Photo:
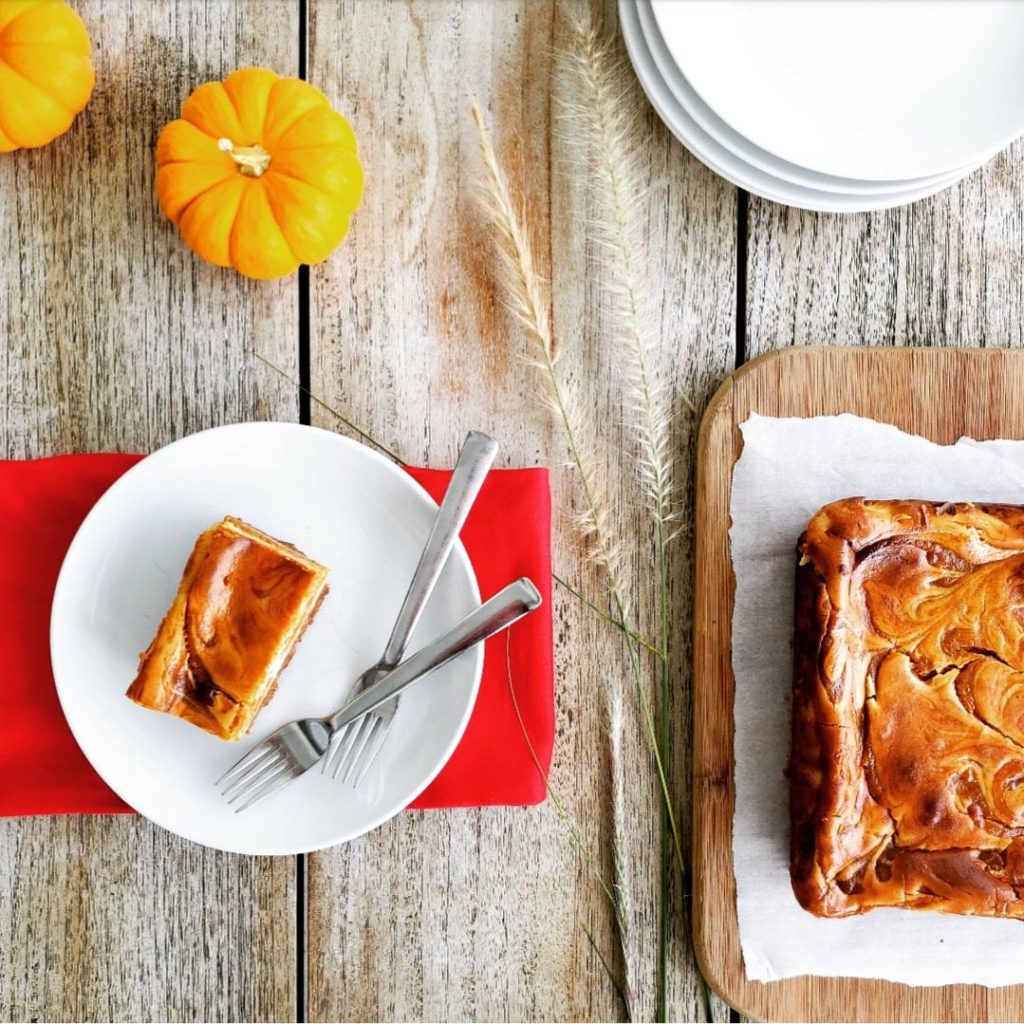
[
  {"x": 243, "y": 603},
  {"x": 907, "y": 767}
]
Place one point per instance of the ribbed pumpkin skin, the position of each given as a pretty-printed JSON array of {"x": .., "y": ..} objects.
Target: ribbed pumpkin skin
[
  {"x": 46, "y": 76},
  {"x": 296, "y": 211}
]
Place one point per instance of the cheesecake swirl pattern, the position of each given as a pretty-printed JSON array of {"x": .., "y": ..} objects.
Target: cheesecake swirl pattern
[
  {"x": 907, "y": 767},
  {"x": 243, "y": 603}
]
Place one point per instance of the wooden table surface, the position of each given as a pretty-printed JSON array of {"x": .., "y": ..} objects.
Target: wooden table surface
[{"x": 115, "y": 338}]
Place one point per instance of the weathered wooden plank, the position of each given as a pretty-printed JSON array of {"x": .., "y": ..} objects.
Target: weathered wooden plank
[
  {"x": 481, "y": 915},
  {"x": 944, "y": 271},
  {"x": 114, "y": 337},
  {"x": 720, "y": 1011}
]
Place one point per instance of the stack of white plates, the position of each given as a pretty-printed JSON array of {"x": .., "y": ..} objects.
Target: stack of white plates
[{"x": 845, "y": 105}]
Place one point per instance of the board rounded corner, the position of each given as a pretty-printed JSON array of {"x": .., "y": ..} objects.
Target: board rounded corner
[{"x": 718, "y": 985}]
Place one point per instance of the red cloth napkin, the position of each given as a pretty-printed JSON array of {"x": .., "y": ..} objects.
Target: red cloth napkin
[{"x": 42, "y": 770}]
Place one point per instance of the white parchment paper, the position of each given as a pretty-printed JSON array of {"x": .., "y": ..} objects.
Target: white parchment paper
[{"x": 788, "y": 469}]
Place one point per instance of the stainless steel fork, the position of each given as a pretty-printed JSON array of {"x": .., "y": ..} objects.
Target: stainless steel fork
[
  {"x": 354, "y": 750},
  {"x": 296, "y": 747}
]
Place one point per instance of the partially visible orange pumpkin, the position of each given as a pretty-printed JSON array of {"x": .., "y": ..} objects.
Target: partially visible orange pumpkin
[
  {"x": 46, "y": 76},
  {"x": 259, "y": 174}
]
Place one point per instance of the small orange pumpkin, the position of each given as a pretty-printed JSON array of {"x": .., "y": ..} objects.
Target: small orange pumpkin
[
  {"x": 46, "y": 77},
  {"x": 259, "y": 173}
]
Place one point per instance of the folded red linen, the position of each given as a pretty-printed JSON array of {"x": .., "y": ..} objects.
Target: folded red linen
[{"x": 42, "y": 770}]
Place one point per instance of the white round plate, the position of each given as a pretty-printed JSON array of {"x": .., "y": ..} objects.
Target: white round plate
[
  {"x": 759, "y": 158},
  {"x": 869, "y": 89},
  {"x": 726, "y": 163},
  {"x": 343, "y": 505}
]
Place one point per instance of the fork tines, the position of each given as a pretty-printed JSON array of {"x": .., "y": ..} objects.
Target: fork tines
[{"x": 255, "y": 776}]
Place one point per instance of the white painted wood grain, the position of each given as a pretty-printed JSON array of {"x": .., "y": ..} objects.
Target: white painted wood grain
[
  {"x": 943, "y": 271},
  {"x": 481, "y": 915},
  {"x": 114, "y": 337}
]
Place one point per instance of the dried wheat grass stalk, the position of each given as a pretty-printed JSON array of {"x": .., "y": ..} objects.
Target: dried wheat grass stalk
[
  {"x": 598, "y": 118},
  {"x": 528, "y": 300},
  {"x": 621, "y": 877}
]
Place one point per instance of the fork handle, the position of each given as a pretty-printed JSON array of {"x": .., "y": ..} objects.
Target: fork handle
[
  {"x": 508, "y": 605},
  {"x": 475, "y": 460}
]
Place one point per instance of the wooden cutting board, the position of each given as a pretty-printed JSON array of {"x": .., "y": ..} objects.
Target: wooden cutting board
[{"x": 941, "y": 394}]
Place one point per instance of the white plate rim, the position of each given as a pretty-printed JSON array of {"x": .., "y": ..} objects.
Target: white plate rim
[
  {"x": 749, "y": 152},
  {"x": 80, "y": 538},
  {"x": 906, "y": 172},
  {"x": 777, "y": 191}
]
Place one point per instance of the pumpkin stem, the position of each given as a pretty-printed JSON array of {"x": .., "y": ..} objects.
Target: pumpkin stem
[{"x": 252, "y": 160}]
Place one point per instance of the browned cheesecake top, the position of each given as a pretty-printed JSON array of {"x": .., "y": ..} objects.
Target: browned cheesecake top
[
  {"x": 907, "y": 768},
  {"x": 242, "y": 604}
]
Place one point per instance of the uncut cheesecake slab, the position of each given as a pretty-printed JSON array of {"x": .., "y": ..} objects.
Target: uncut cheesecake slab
[
  {"x": 243, "y": 603},
  {"x": 907, "y": 763}
]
